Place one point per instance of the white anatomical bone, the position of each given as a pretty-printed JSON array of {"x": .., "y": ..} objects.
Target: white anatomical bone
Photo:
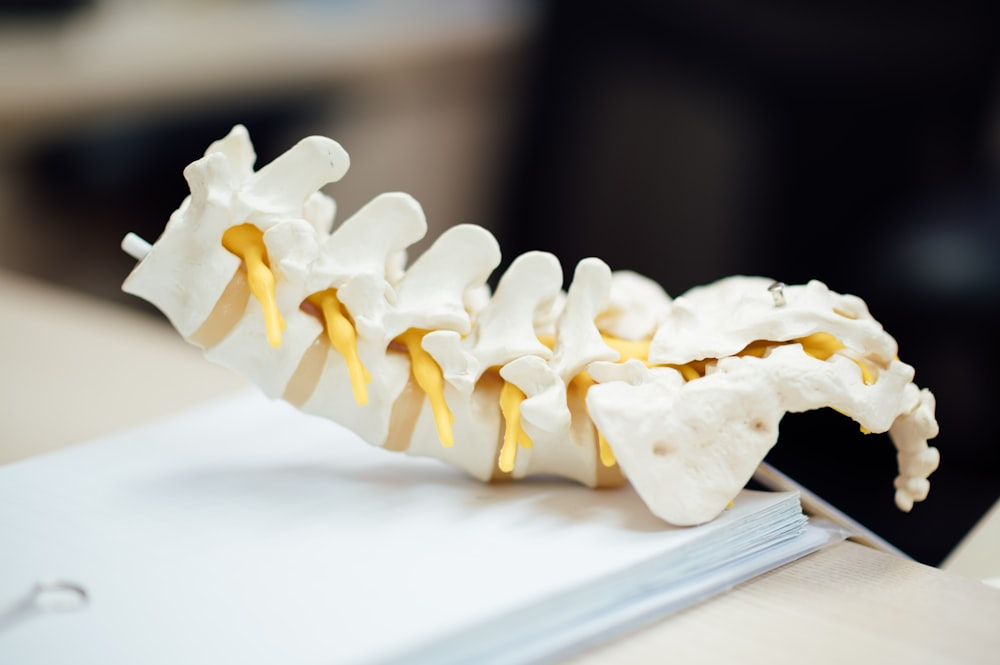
[{"x": 609, "y": 378}]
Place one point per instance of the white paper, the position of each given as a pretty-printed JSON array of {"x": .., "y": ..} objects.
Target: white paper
[{"x": 248, "y": 532}]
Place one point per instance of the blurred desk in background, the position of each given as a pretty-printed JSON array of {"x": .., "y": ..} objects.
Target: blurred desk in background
[
  {"x": 75, "y": 368},
  {"x": 158, "y": 57}
]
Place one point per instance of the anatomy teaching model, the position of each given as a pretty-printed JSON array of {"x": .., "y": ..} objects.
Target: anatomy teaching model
[{"x": 608, "y": 380}]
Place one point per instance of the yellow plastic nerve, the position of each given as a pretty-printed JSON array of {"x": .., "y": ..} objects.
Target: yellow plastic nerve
[
  {"x": 824, "y": 345},
  {"x": 344, "y": 339},
  {"x": 429, "y": 378},
  {"x": 583, "y": 382},
  {"x": 513, "y": 434},
  {"x": 247, "y": 242}
]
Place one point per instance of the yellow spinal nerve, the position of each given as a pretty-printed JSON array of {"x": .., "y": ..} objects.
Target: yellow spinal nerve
[
  {"x": 429, "y": 378},
  {"x": 247, "y": 242},
  {"x": 583, "y": 382},
  {"x": 824, "y": 345},
  {"x": 344, "y": 339},
  {"x": 513, "y": 435}
]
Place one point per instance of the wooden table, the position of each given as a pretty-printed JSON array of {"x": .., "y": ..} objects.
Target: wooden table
[
  {"x": 844, "y": 604},
  {"x": 75, "y": 368}
]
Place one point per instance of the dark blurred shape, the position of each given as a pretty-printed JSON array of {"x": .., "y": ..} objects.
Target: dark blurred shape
[
  {"x": 846, "y": 142},
  {"x": 41, "y": 9}
]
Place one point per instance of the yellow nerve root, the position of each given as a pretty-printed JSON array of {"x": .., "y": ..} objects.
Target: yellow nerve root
[
  {"x": 583, "y": 382},
  {"x": 513, "y": 434},
  {"x": 628, "y": 349},
  {"x": 344, "y": 340},
  {"x": 820, "y": 345},
  {"x": 607, "y": 455},
  {"x": 429, "y": 378},
  {"x": 824, "y": 345},
  {"x": 247, "y": 242}
]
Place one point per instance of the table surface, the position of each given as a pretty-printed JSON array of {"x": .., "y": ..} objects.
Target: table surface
[{"x": 75, "y": 368}]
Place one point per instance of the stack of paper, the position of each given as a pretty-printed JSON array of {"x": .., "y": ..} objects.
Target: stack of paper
[{"x": 248, "y": 532}]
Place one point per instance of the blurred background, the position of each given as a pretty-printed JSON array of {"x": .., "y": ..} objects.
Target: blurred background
[{"x": 854, "y": 143}]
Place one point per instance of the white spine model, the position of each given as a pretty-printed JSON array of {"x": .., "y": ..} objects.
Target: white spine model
[{"x": 611, "y": 378}]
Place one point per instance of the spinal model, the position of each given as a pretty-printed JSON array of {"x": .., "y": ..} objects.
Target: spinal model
[{"x": 609, "y": 378}]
